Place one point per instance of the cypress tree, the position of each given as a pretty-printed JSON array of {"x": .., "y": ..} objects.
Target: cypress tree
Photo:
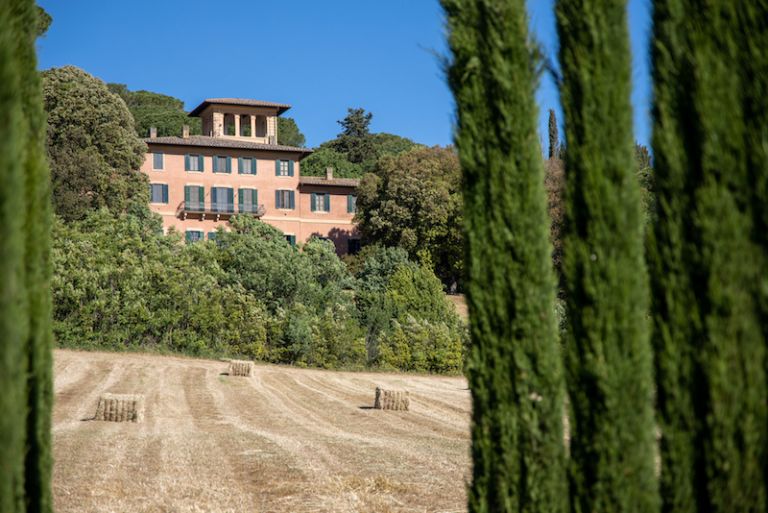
[
  {"x": 515, "y": 367},
  {"x": 553, "y": 135},
  {"x": 710, "y": 350},
  {"x": 37, "y": 228},
  {"x": 608, "y": 360},
  {"x": 25, "y": 352}
]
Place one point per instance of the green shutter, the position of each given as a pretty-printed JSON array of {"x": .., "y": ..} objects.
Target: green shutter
[
  {"x": 327, "y": 200},
  {"x": 349, "y": 203},
  {"x": 256, "y": 198},
  {"x": 186, "y": 196},
  {"x": 240, "y": 193},
  {"x": 290, "y": 168},
  {"x": 188, "y": 236},
  {"x": 277, "y": 168},
  {"x": 201, "y": 196},
  {"x": 229, "y": 164},
  {"x": 214, "y": 199},
  {"x": 230, "y": 199},
  {"x": 253, "y": 166},
  {"x": 291, "y": 199},
  {"x": 313, "y": 203},
  {"x": 165, "y": 193},
  {"x": 239, "y": 165},
  {"x": 186, "y": 162},
  {"x": 200, "y": 163},
  {"x": 277, "y": 200}
]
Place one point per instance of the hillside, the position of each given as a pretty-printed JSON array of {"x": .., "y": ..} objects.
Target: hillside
[{"x": 285, "y": 440}]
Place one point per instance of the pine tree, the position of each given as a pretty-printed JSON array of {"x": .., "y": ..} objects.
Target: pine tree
[
  {"x": 554, "y": 139},
  {"x": 515, "y": 367},
  {"x": 710, "y": 350},
  {"x": 25, "y": 352},
  {"x": 607, "y": 349}
]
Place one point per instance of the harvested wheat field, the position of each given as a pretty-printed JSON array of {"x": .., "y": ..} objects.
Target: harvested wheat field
[{"x": 284, "y": 440}]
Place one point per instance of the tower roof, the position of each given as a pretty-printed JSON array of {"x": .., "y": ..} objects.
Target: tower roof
[{"x": 281, "y": 107}]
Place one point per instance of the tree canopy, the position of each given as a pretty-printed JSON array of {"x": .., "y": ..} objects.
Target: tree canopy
[
  {"x": 288, "y": 133},
  {"x": 93, "y": 149},
  {"x": 161, "y": 111},
  {"x": 413, "y": 201}
]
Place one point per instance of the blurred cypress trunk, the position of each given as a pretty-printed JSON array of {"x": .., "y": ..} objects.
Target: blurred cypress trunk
[
  {"x": 708, "y": 339},
  {"x": 609, "y": 365},
  {"x": 25, "y": 302},
  {"x": 515, "y": 367}
]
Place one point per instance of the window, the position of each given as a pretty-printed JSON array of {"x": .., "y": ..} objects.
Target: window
[
  {"x": 211, "y": 235},
  {"x": 245, "y": 125},
  {"x": 229, "y": 124},
  {"x": 193, "y": 163},
  {"x": 194, "y": 236},
  {"x": 261, "y": 126},
  {"x": 321, "y": 202},
  {"x": 222, "y": 199},
  {"x": 284, "y": 199},
  {"x": 247, "y": 200},
  {"x": 246, "y": 166},
  {"x": 291, "y": 239},
  {"x": 222, "y": 164},
  {"x": 157, "y": 161},
  {"x": 351, "y": 203},
  {"x": 284, "y": 168},
  {"x": 158, "y": 193},
  {"x": 194, "y": 198},
  {"x": 353, "y": 246}
]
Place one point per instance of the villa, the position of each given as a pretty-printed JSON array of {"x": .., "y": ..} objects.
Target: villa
[{"x": 199, "y": 181}]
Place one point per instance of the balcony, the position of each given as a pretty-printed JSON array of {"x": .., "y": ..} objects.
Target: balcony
[{"x": 216, "y": 211}]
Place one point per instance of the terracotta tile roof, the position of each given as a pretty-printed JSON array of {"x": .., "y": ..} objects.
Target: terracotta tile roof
[
  {"x": 338, "y": 182},
  {"x": 281, "y": 107},
  {"x": 220, "y": 142}
]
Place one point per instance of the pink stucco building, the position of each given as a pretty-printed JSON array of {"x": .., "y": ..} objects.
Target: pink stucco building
[{"x": 199, "y": 181}]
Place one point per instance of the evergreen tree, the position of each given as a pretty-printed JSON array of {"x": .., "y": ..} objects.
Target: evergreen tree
[
  {"x": 25, "y": 352},
  {"x": 355, "y": 139},
  {"x": 608, "y": 355},
  {"x": 710, "y": 350},
  {"x": 554, "y": 139},
  {"x": 515, "y": 368}
]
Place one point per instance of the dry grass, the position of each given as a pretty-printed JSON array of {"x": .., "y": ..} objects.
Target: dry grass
[
  {"x": 391, "y": 399},
  {"x": 284, "y": 440},
  {"x": 459, "y": 302},
  {"x": 120, "y": 408},
  {"x": 240, "y": 368}
]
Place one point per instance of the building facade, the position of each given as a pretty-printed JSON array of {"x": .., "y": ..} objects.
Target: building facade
[{"x": 199, "y": 181}]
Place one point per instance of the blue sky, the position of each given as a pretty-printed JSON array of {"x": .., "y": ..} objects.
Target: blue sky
[{"x": 320, "y": 57}]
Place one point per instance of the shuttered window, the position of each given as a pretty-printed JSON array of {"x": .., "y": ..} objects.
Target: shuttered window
[
  {"x": 194, "y": 198},
  {"x": 246, "y": 166},
  {"x": 157, "y": 160},
  {"x": 222, "y": 199},
  {"x": 284, "y": 168},
  {"x": 193, "y": 163},
  {"x": 351, "y": 203},
  {"x": 193, "y": 236},
  {"x": 247, "y": 200},
  {"x": 291, "y": 239},
  {"x": 158, "y": 193},
  {"x": 284, "y": 199},
  {"x": 321, "y": 202},
  {"x": 222, "y": 164}
]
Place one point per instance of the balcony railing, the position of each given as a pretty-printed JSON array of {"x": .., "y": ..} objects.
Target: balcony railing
[{"x": 216, "y": 211}]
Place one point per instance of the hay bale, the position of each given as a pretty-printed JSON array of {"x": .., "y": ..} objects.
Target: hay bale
[
  {"x": 240, "y": 368},
  {"x": 120, "y": 408},
  {"x": 391, "y": 399}
]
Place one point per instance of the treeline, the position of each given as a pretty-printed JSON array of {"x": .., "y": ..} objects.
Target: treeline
[{"x": 120, "y": 284}]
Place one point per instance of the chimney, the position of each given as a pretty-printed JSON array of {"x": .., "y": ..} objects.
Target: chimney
[
  {"x": 329, "y": 173},
  {"x": 185, "y": 131},
  {"x": 152, "y": 132}
]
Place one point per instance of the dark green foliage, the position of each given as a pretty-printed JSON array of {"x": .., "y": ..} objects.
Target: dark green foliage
[
  {"x": 326, "y": 156},
  {"x": 554, "y": 139},
  {"x": 709, "y": 66},
  {"x": 44, "y": 21},
  {"x": 25, "y": 350},
  {"x": 163, "y": 112},
  {"x": 93, "y": 150},
  {"x": 355, "y": 140},
  {"x": 607, "y": 347},
  {"x": 515, "y": 367},
  {"x": 413, "y": 201},
  {"x": 120, "y": 284},
  {"x": 288, "y": 133}
]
